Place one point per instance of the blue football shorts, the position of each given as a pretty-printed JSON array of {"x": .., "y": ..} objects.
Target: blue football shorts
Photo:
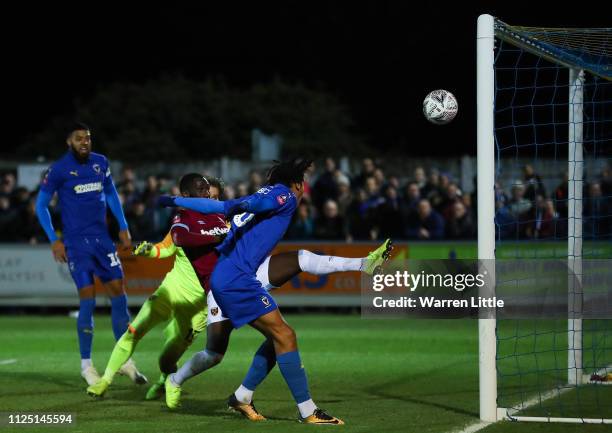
[{"x": 92, "y": 255}]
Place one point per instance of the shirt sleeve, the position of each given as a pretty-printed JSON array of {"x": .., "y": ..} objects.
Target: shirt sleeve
[
  {"x": 108, "y": 177},
  {"x": 52, "y": 180},
  {"x": 114, "y": 203},
  {"x": 202, "y": 205},
  {"x": 265, "y": 200},
  {"x": 163, "y": 249},
  {"x": 112, "y": 197},
  {"x": 44, "y": 217}
]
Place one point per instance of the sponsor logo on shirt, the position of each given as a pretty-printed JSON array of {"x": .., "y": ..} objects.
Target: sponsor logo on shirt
[
  {"x": 216, "y": 231},
  {"x": 88, "y": 187},
  {"x": 281, "y": 199}
]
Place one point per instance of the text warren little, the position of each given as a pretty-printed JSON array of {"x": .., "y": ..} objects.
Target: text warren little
[{"x": 431, "y": 302}]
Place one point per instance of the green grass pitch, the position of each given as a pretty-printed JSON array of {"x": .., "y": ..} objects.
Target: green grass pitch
[{"x": 380, "y": 375}]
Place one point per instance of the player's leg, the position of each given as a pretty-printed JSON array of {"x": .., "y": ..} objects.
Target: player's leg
[
  {"x": 217, "y": 335},
  {"x": 81, "y": 270},
  {"x": 282, "y": 267},
  {"x": 111, "y": 274},
  {"x": 175, "y": 345},
  {"x": 177, "y": 340},
  {"x": 171, "y": 352},
  {"x": 278, "y": 269},
  {"x": 275, "y": 271},
  {"x": 109, "y": 271},
  {"x": 120, "y": 319},
  {"x": 218, "y": 331},
  {"x": 85, "y": 330},
  {"x": 274, "y": 327},
  {"x": 242, "y": 399},
  {"x": 155, "y": 310},
  {"x": 244, "y": 300},
  {"x": 120, "y": 315}
]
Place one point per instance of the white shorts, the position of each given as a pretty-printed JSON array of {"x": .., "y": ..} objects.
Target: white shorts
[{"x": 214, "y": 311}]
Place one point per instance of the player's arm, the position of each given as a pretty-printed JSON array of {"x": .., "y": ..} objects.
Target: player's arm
[
  {"x": 114, "y": 203},
  {"x": 47, "y": 189},
  {"x": 256, "y": 203},
  {"x": 160, "y": 250},
  {"x": 44, "y": 216}
]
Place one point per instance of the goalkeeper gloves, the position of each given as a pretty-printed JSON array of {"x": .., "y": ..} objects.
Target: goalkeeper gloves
[{"x": 143, "y": 249}]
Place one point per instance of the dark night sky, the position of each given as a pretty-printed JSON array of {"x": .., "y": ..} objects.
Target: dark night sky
[{"x": 379, "y": 58}]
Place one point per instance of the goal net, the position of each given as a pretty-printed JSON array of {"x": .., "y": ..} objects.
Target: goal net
[{"x": 545, "y": 192}]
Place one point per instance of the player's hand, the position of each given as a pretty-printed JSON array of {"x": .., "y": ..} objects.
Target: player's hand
[
  {"x": 166, "y": 201},
  {"x": 143, "y": 249},
  {"x": 59, "y": 251},
  {"x": 125, "y": 240},
  {"x": 238, "y": 208}
]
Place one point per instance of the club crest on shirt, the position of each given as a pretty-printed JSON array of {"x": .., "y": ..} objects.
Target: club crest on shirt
[
  {"x": 265, "y": 301},
  {"x": 281, "y": 199},
  {"x": 96, "y": 168},
  {"x": 214, "y": 311}
]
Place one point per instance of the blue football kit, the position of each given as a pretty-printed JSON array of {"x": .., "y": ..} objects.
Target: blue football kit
[
  {"x": 84, "y": 189},
  {"x": 254, "y": 234}
]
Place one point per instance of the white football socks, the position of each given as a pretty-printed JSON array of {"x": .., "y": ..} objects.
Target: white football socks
[
  {"x": 198, "y": 363},
  {"x": 85, "y": 363},
  {"x": 321, "y": 265},
  {"x": 306, "y": 408},
  {"x": 244, "y": 395}
]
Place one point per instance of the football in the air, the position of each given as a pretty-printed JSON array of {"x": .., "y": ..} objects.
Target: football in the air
[{"x": 440, "y": 107}]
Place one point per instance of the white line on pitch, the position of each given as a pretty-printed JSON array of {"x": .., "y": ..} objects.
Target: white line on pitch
[
  {"x": 7, "y": 361},
  {"x": 473, "y": 428}
]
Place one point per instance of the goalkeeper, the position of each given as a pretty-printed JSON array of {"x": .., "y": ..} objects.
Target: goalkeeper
[{"x": 180, "y": 297}]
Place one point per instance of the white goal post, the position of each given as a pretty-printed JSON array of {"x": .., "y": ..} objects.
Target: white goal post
[
  {"x": 486, "y": 211},
  {"x": 485, "y": 91}
]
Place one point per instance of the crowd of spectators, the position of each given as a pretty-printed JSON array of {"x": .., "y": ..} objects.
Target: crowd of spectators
[
  {"x": 370, "y": 204},
  {"x": 373, "y": 204},
  {"x": 529, "y": 211}
]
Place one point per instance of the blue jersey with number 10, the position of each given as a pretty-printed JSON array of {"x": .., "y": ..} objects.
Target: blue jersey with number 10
[{"x": 253, "y": 236}]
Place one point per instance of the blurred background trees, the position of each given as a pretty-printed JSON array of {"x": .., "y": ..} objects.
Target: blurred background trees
[{"x": 176, "y": 118}]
